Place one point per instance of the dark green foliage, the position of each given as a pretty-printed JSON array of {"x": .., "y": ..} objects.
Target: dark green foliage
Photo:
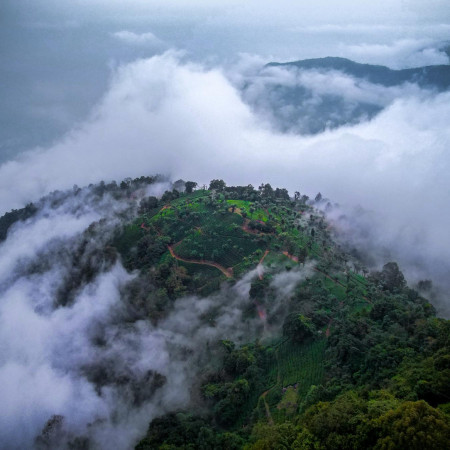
[
  {"x": 175, "y": 431},
  {"x": 298, "y": 327},
  {"x": 190, "y": 186},
  {"x": 390, "y": 278},
  {"x": 238, "y": 361},
  {"x": 362, "y": 362},
  {"x": 217, "y": 185},
  {"x": 169, "y": 196},
  {"x": 14, "y": 216},
  {"x": 148, "y": 204},
  {"x": 259, "y": 288},
  {"x": 264, "y": 227}
]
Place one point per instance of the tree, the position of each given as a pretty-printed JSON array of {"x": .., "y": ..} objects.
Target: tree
[
  {"x": 282, "y": 194},
  {"x": 190, "y": 186},
  {"x": 391, "y": 277},
  {"x": 268, "y": 437},
  {"x": 413, "y": 425},
  {"x": 217, "y": 185},
  {"x": 424, "y": 285},
  {"x": 302, "y": 255},
  {"x": 259, "y": 288},
  {"x": 266, "y": 190},
  {"x": 147, "y": 204},
  {"x": 298, "y": 327}
]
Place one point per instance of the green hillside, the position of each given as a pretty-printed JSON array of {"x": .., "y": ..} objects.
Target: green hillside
[
  {"x": 330, "y": 354},
  {"x": 350, "y": 359}
]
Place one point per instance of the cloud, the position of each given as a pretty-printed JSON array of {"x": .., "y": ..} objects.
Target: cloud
[
  {"x": 163, "y": 115},
  {"x": 284, "y": 283},
  {"x": 147, "y": 39},
  {"x": 400, "y": 54},
  {"x": 86, "y": 359},
  {"x": 310, "y": 101}
]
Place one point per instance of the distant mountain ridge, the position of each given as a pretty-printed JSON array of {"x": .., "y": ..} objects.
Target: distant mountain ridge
[
  {"x": 428, "y": 76},
  {"x": 312, "y": 95}
]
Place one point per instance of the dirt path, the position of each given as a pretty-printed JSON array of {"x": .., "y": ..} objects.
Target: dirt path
[
  {"x": 291, "y": 257},
  {"x": 264, "y": 394},
  {"x": 268, "y": 414},
  {"x": 245, "y": 226},
  {"x": 247, "y": 229},
  {"x": 259, "y": 267},
  {"x": 265, "y": 254},
  {"x": 227, "y": 272}
]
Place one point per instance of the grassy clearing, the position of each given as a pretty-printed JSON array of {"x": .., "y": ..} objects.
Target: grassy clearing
[
  {"x": 289, "y": 401},
  {"x": 249, "y": 209},
  {"x": 334, "y": 288}
]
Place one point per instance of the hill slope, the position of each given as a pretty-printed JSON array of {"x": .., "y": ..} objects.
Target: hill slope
[{"x": 241, "y": 315}]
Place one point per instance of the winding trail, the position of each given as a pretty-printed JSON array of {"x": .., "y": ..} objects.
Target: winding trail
[
  {"x": 227, "y": 272},
  {"x": 259, "y": 267},
  {"x": 268, "y": 414}
]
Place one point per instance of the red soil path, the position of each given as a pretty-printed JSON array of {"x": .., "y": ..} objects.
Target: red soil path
[
  {"x": 227, "y": 272},
  {"x": 259, "y": 267}
]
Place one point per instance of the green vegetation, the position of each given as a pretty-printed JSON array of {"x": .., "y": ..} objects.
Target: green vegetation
[
  {"x": 348, "y": 360},
  {"x": 301, "y": 365}
]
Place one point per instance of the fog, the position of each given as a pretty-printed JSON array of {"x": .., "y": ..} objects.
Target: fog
[
  {"x": 168, "y": 115},
  {"x": 56, "y": 57},
  {"x": 90, "y": 359}
]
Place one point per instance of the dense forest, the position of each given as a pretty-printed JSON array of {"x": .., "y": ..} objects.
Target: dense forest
[{"x": 342, "y": 356}]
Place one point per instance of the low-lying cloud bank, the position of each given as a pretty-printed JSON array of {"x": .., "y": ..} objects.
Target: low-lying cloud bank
[{"x": 167, "y": 115}]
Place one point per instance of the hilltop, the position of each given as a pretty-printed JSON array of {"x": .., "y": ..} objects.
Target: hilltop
[
  {"x": 357, "y": 356},
  {"x": 295, "y": 345}
]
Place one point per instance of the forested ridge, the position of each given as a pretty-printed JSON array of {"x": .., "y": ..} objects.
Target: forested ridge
[{"x": 345, "y": 356}]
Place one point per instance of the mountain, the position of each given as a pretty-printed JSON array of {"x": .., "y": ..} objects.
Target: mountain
[
  {"x": 240, "y": 321},
  {"x": 434, "y": 77},
  {"x": 313, "y": 95}
]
